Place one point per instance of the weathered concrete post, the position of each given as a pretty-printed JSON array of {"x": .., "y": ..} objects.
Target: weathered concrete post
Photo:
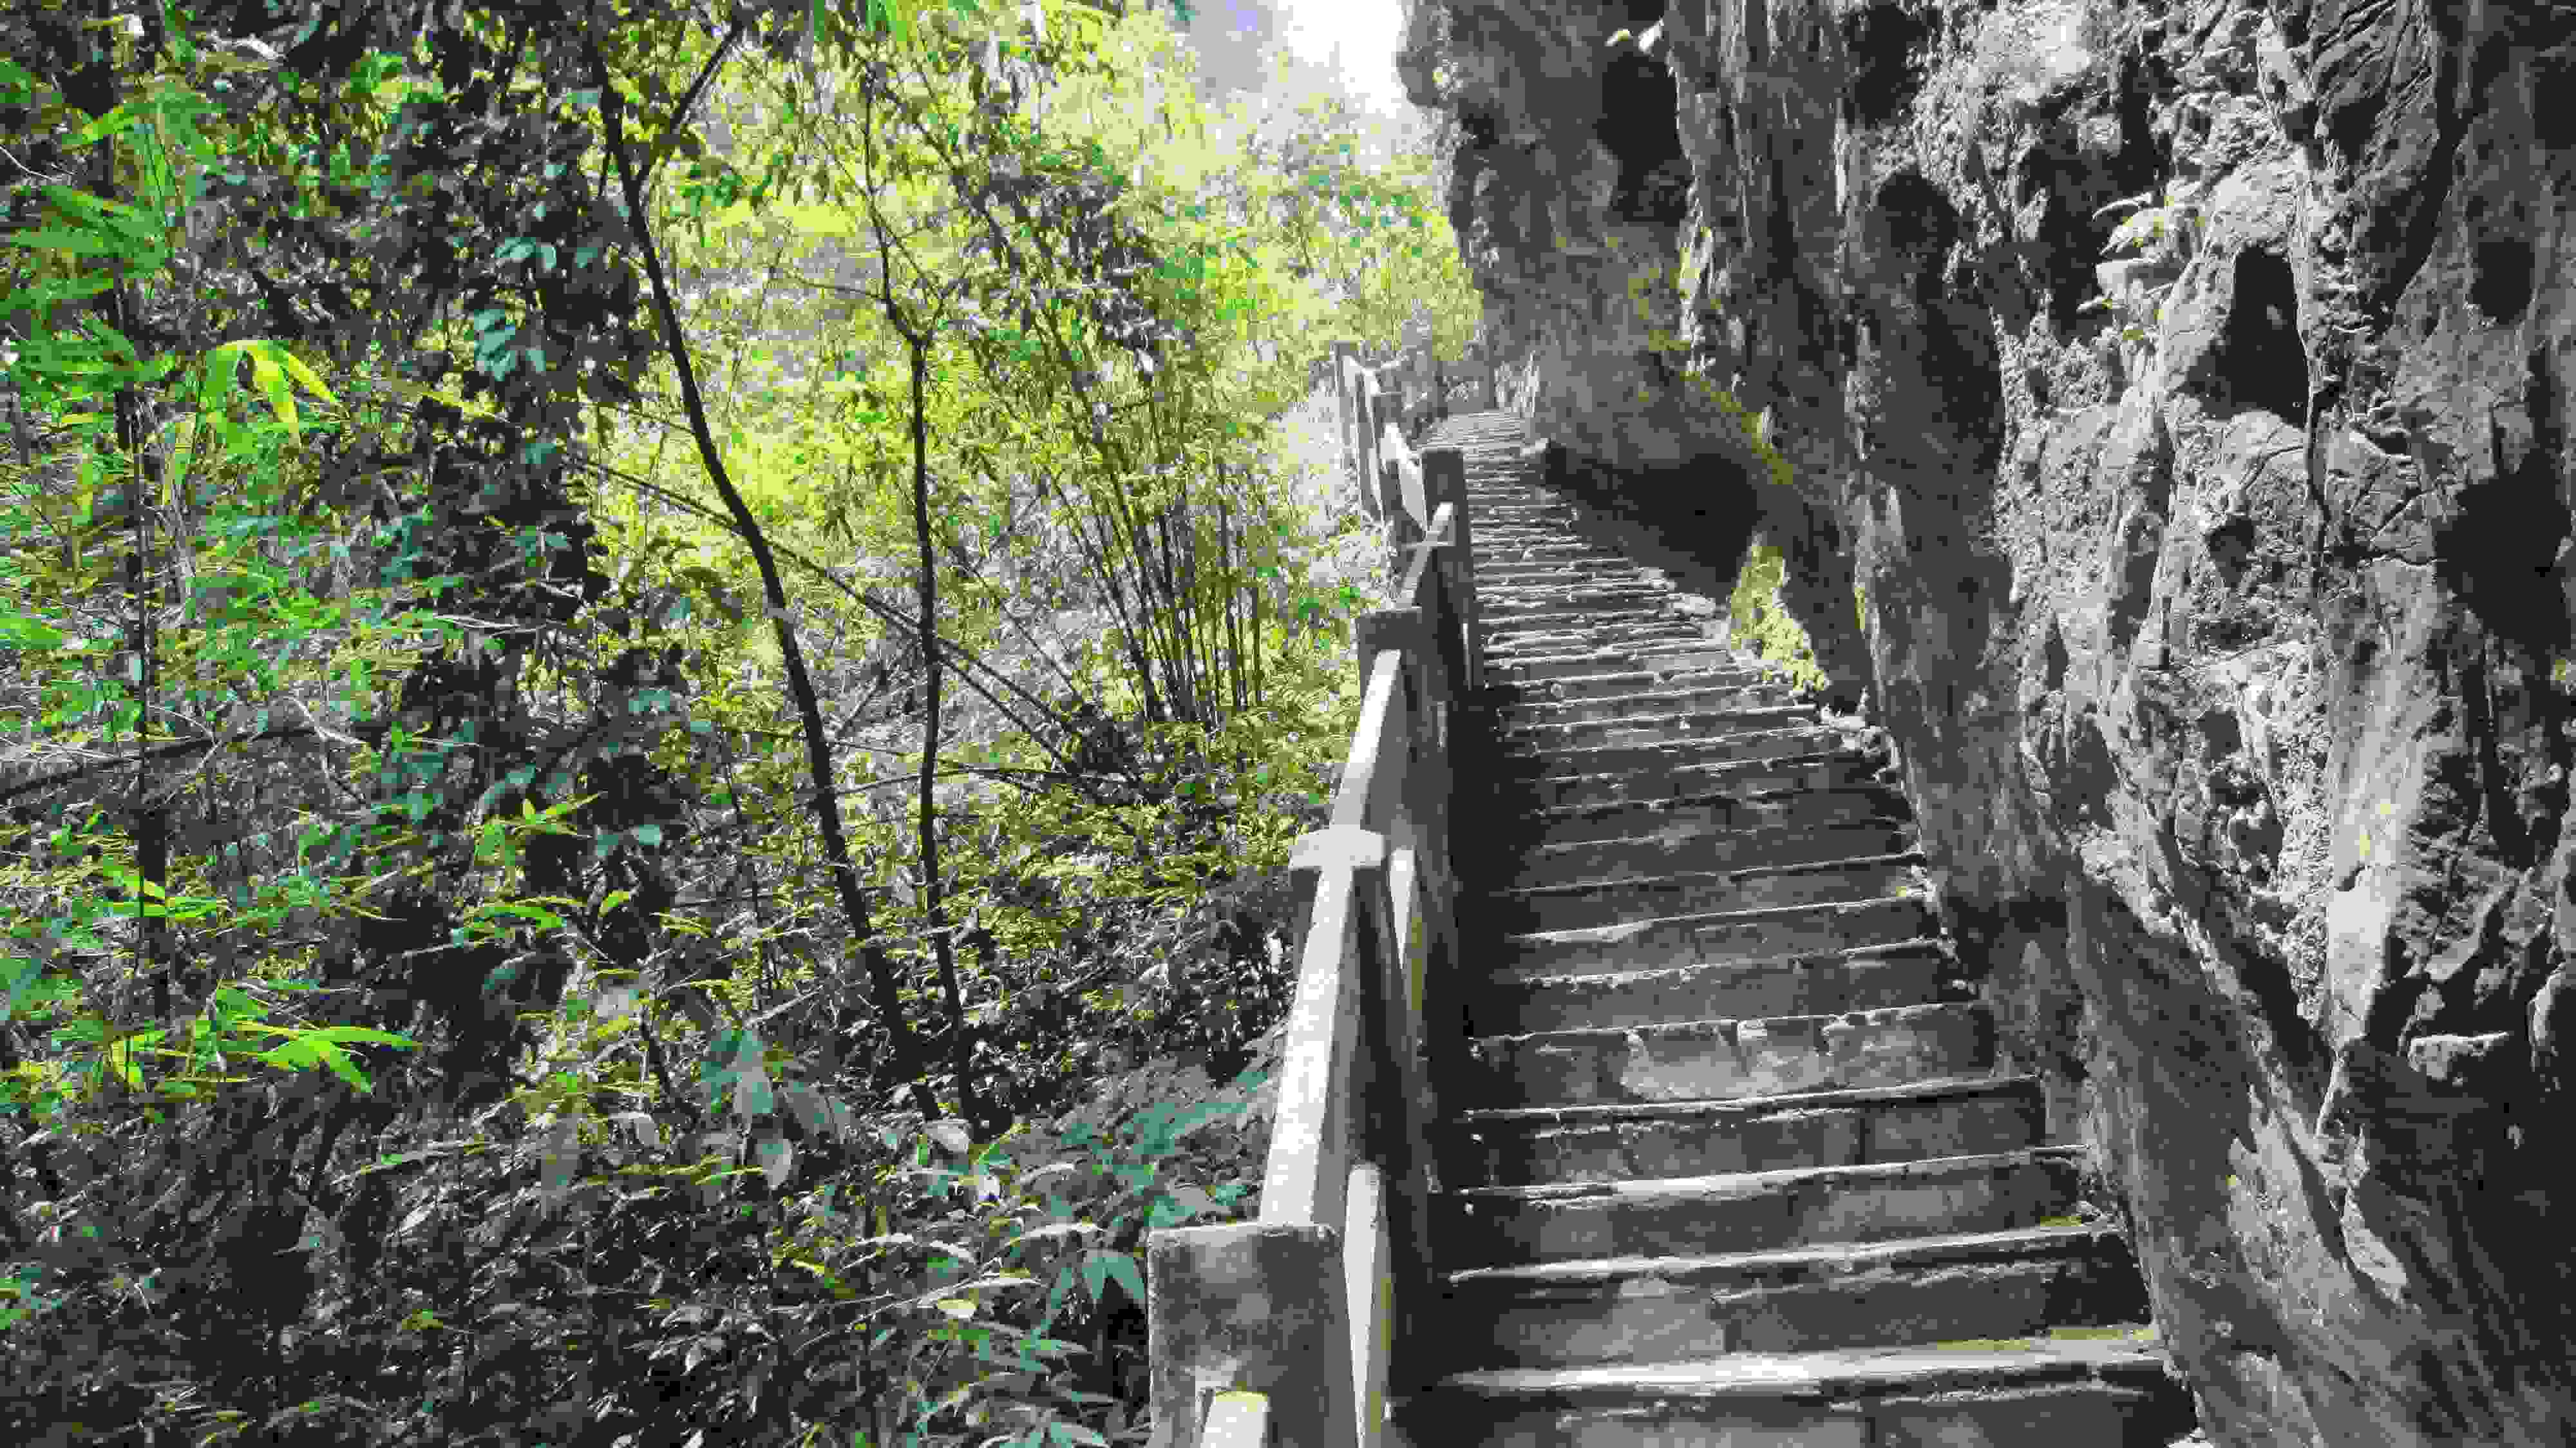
[
  {"x": 1367, "y": 403},
  {"x": 1254, "y": 1307},
  {"x": 1384, "y": 406},
  {"x": 1349, "y": 395},
  {"x": 1399, "y": 526},
  {"x": 1444, "y": 480}
]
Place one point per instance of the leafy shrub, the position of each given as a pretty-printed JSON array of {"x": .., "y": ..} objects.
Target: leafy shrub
[
  {"x": 1759, "y": 620},
  {"x": 2160, "y": 232}
]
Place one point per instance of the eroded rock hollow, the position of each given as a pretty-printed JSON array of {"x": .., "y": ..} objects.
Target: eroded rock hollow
[{"x": 2185, "y": 389}]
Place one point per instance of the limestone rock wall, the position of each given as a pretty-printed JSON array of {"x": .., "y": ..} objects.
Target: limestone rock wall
[{"x": 2222, "y": 626}]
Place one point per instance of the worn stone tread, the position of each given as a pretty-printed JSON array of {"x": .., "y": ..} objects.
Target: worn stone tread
[
  {"x": 1600, "y": 759},
  {"x": 1790, "y": 1266},
  {"x": 1740, "y": 872},
  {"x": 1652, "y": 856},
  {"x": 1749, "y": 1211},
  {"x": 1738, "y": 1184},
  {"x": 1804, "y": 1101},
  {"x": 1632, "y": 929},
  {"x": 1836, "y": 1373}
]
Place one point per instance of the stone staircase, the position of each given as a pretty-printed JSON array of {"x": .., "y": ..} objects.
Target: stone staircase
[{"x": 1725, "y": 1158}]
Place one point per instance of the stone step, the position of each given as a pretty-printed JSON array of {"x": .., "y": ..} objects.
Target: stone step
[
  {"x": 1527, "y": 580},
  {"x": 1508, "y": 862},
  {"x": 1635, "y": 730},
  {"x": 1953, "y": 1116},
  {"x": 1504, "y": 550},
  {"x": 1605, "y": 623},
  {"x": 1545, "y": 522},
  {"x": 1592, "y": 662},
  {"x": 1508, "y": 797},
  {"x": 1506, "y": 515},
  {"x": 1574, "y": 588},
  {"x": 1871, "y": 977},
  {"x": 1516, "y": 714},
  {"x": 1525, "y": 584},
  {"x": 1569, "y": 584},
  {"x": 1521, "y": 777},
  {"x": 1552, "y": 522},
  {"x": 1508, "y": 646},
  {"x": 1731, "y": 935},
  {"x": 1564, "y": 571},
  {"x": 1714, "y": 1060},
  {"x": 2045, "y": 1392},
  {"x": 1756, "y": 1211},
  {"x": 1504, "y": 553},
  {"x": 1712, "y": 816},
  {"x": 1513, "y": 759},
  {"x": 2006, "y": 1284},
  {"x": 1570, "y": 616},
  {"x": 1509, "y": 689},
  {"x": 1580, "y": 904}
]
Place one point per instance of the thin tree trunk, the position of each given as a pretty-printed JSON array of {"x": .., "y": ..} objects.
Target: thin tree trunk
[
  {"x": 883, "y": 985},
  {"x": 961, "y": 1037}
]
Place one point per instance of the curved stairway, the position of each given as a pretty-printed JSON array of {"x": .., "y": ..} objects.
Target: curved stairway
[{"x": 1724, "y": 1158}]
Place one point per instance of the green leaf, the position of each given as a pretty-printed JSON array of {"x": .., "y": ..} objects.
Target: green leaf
[
  {"x": 1102, "y": 1265},
  {"x": 78, "y": 243},
  {"x": 26, "y": 633}
]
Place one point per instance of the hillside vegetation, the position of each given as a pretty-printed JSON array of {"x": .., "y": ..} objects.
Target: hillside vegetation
[{"x": 659, "y": 675}]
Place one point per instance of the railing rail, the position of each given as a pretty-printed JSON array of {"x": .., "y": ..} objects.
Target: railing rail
[
  {"x": 1379, "y": 405},
  {"x": 1287, "y": 1330}
]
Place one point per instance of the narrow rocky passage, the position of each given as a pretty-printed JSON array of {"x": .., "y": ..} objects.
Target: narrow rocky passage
[{"x": 1724, "y": 1156}]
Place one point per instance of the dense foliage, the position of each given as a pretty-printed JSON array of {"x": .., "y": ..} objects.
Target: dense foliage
[{"x": 671, "y": 827}]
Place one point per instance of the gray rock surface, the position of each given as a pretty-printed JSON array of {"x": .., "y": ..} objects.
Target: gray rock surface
[{"x": 2221, "y": 631}]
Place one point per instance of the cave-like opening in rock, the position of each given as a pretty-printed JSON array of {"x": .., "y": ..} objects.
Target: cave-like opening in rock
[
  {"x": 2071, "y": 236},
  {"x": 2500, "y": 278},
  {"x": 1882, "y": 40},
  {"x": 1639, "y": 126},
  {"x": 2265, "y": 369},
  {"x": 1922, "y": 226}
]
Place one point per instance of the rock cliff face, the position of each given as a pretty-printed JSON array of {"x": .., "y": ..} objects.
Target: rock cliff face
[{"x": 2222, "y": 624}]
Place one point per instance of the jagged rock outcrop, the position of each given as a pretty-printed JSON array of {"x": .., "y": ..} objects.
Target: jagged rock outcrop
[{"x": 2222, "y": 626}]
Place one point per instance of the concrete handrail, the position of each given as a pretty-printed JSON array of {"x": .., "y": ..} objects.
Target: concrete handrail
[
  {"x": 1406, "y": 392},
  {"x": 1306, "y": 1307}
]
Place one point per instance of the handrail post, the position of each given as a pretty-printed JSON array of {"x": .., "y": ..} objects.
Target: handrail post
[
  {"x": 1382, "y": 409},
  {"x": 1347, "y": 410},
  {"x": 1249, "y": 1307},
  {"x": 1444, "y": 480},
  {"x": 1371, "y": 463}
]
